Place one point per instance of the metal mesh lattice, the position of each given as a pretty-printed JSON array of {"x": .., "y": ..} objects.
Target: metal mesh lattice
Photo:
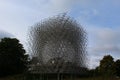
[{"x": 59, "y": 44}]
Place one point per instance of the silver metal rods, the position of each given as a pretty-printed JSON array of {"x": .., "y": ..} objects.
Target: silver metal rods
[{"x": 59, "y": 44}]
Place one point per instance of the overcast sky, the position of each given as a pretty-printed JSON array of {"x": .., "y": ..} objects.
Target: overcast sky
[{"x": 100, "y": 18}]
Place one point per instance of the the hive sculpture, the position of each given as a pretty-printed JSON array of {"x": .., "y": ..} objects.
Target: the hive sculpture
[{"x": 59, "y": 44}]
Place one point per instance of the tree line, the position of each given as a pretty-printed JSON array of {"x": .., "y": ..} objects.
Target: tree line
[
  {"x": 14, "y": 60},
  {"x": 108, "y": 67},
  {"x": 13, "y": 57}
]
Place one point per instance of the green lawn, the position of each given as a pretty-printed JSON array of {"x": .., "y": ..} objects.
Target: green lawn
[
  {"x": 15, "y": 77},
  {"x": 20, "y": 77},
  {"x": 98, "y": 78}
]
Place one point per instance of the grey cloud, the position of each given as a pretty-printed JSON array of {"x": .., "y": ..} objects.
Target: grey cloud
[
  {"x": 108, "y": 48},
  {"x": 107, "y": 35},
  {"x": 5, "y": 34},
  {"x": 104, "y": 36}
]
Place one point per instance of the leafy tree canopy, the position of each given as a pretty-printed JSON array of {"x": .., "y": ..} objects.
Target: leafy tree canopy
[
  {"x": 106, "y": 65},
  {"x": 13, "y": 59},
  {"x": 117, "y": 67}
]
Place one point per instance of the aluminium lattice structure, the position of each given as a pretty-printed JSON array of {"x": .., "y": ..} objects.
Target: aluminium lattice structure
[{"x": 58, "y": 46}]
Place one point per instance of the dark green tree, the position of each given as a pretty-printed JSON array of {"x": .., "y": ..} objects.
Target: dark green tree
[
  {"x": 13, "y": 59},
  {"x": 106, "y": 65},
  {"x": 117, "y": 68}
]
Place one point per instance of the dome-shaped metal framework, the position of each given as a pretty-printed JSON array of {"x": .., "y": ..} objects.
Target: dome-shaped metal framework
[{"x": 59, "y": 44}]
